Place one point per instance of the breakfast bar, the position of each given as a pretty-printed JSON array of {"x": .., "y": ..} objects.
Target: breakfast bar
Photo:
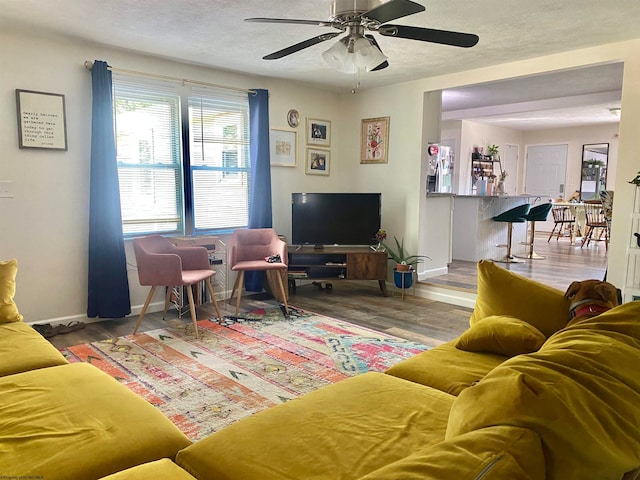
[
  {"x": 476, "y": 235},
  {"x": 473, "y": 235}
]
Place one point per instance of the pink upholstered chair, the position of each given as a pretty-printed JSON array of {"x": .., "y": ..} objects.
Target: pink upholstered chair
[
  {"x": 162, "y": 264},
  {"x": 248, "y": 250}
]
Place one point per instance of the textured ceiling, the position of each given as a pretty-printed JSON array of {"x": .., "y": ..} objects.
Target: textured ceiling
[{"x": 213, "y": 33}]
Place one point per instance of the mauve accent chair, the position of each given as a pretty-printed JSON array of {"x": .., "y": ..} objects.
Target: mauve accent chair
[
  {"x": 163, "y": 264},
  {"x": 248, "y": 250}
]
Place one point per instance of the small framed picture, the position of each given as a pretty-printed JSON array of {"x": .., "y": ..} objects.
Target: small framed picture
[
  {"x": 283, "y": 148},
  {"x": 318, "y": 161},
  {"x": 374, "y": 141},
  {"x": 318, "y": 132},
  {"x": 293, "y": 118}
]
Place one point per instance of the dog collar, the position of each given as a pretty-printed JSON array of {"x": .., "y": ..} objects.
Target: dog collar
[{"x": 581, "y": 309}]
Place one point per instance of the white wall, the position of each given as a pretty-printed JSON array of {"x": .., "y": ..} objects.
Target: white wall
[{"x": 45, "y": 224}]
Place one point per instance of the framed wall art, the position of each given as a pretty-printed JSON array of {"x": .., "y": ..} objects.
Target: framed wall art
[
  {"x": 41, "y": 120},
  {"x": 318, "y": 132},
  {"x": 283, "y": 148},
  {"x": 374, "y": 141},
  {"x": 318, "y": 161}
]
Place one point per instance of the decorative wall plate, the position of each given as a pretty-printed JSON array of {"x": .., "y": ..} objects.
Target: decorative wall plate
[{"x": 293, "y": 118}]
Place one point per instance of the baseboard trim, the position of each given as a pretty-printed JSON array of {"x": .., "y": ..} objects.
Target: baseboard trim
[{"x": 443, "y": 294}]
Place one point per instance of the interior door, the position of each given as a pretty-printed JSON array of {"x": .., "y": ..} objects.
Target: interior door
[
  {"x": 546, "y": 170},
  {"x": 510, "y": 165}
]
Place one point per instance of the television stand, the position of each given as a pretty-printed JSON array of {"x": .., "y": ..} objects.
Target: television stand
[{"x": 337, "y": 263}]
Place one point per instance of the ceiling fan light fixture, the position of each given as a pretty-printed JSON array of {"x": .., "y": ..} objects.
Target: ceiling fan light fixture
[
  {"x": 369, "y": 57},
  {"x": 336, "y": 56},
  {"x": 351, "y": 54}
]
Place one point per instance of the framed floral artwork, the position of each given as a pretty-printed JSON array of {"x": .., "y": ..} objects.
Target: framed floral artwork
[
  {"x": 318, "y": 161},
  {"x": 318, "y": 132},
  {"x": 283, "y": 148},
  {"x": 374, "y": 142}
]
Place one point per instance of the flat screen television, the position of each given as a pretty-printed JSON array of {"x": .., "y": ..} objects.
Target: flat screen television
[{"x": 335, "y": 218}]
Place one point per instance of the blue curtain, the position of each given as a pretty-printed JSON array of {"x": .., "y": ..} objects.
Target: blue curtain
[
  {"x": 108, "y": 295},
  {"x": 260, "y": 193}
]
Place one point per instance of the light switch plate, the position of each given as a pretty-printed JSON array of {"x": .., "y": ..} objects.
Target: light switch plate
[{"x": 6, "y": 189}]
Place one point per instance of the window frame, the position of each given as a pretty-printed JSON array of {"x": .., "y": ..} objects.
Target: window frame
[{"x": 186, "y": 170}]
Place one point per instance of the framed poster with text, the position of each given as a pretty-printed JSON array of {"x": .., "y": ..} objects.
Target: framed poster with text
[{"x": 41, "y": 120}]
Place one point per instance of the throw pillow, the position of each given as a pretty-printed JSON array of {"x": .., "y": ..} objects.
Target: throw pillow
[
  {"x": 501, "y": 334},
  {"x": 502, "y": 292},
  {"x": 8, "y": 310}
]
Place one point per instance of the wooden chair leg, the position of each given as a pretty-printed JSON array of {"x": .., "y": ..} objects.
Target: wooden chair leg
[
  {"x": 235, "y": 286},
  {"x": 282, "y": 291},
  {"x": 192, "y": 309},
  {"x": 144, "y": 309},
  {"x": 552, "y": 230},
  {"x": 240, "y": 282},
  {"x": 213, "y": 297},
  {"x": 167, "y": 297}
]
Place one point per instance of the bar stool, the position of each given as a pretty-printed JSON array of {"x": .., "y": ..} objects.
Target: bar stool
[
  {"x": 539, "y": 213},
  {"x": 514, "y": 215}
]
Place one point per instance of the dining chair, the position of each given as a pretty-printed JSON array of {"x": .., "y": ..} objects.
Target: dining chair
[
  {"x": 257, "y": 249},
  {"x": 563, "y": 220},
  {"x": 595, "y": 221},
  {"x": 163, "y": 264}
]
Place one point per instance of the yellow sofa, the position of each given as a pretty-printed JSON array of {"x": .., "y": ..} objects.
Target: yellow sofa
[
  {"x": 68, "y": 421},
  {"x": 517, "y": 396}
]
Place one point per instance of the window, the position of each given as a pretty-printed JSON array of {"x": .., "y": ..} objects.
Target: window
[{"x": 183, "y": 157}]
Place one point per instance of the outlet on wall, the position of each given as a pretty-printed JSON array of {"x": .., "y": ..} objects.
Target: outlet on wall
[{"x": 6, "y": 189}]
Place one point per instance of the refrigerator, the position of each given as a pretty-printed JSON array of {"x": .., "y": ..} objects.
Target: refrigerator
[{"x": 440, "y": 166}]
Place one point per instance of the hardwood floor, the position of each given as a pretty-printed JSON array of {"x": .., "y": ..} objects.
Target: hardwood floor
[
  {"x": 414, "y": 318},
  {"x": 563, "y": 264}
]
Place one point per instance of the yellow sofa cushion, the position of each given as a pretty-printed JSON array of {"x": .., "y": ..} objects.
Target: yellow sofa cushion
[
  {"x": 23, "y": 349},
  {"x": 502, "y": 292},
  {"x": 344, "y": 430},
  {"x": 446, "y": 367},
  {"x": 494, "y": 453},
  {"x": 163, "y": 469},
  {"x": 76, "y": 422},
  {"x": 580, "y": 393},
  {"x": 8, "y": 309},
  {"x": 501, "y": 334}
]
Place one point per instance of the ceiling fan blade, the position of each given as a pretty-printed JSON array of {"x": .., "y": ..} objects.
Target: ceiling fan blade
[
  {"x": 318, "y": 23},
  {"x": 392, "y": 10},
  {"x": 444, "y": 37},
  {"x": 384, "y": 64},
  {"x": 300, "y": 46}
]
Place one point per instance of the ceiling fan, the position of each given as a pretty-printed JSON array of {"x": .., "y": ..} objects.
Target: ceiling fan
[{"x": 358, "y": 50}]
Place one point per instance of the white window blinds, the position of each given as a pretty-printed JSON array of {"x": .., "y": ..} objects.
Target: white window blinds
[
  {"x": 148, "y": 149},
  {"x": 219, "y": 151},
  {"x": 168, "y": 187}
]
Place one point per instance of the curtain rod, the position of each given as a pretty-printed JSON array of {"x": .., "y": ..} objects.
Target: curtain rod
[{"x": 89, "y": 65}]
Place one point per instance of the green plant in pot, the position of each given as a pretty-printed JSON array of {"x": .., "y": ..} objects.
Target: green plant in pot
[{"x": 405, "y": 263}]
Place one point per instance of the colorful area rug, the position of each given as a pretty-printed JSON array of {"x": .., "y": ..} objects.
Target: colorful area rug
[{"x": 240, "y": 365}]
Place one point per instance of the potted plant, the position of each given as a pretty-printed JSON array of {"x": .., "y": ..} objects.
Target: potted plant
[
  {"x": 492, "y": 150},
  {"x": 405, "y": 263}
]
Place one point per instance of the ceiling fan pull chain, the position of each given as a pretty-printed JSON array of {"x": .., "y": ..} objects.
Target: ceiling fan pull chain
[{"x": 356, "y": 81}]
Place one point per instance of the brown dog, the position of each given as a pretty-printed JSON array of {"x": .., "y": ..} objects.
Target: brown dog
[{"x": 590, "y": 298}]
